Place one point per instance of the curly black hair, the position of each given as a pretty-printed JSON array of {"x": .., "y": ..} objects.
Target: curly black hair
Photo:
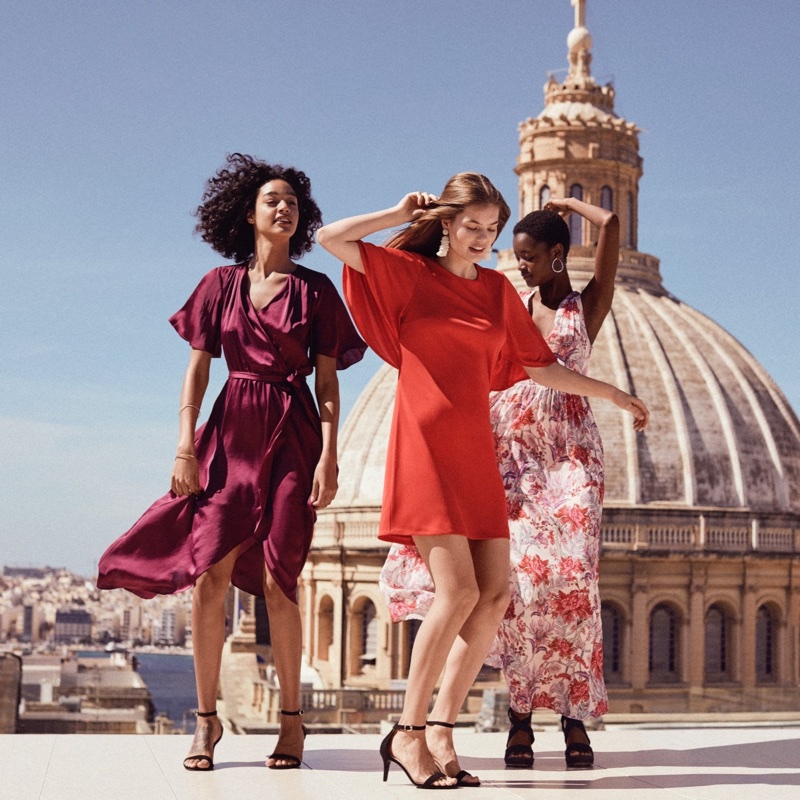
[
  {"x": 230, "y": 195},
  {"x": 547, "y": 227}
]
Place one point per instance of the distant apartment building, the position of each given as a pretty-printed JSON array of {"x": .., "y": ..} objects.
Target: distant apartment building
[
  {"x": 73, "y": 626},
  {"x": 132, "y": 623},
  {"x": 31, "y": 618},
  {"x": 9, "y": 622},
  {"x": 172, "y": 630}
]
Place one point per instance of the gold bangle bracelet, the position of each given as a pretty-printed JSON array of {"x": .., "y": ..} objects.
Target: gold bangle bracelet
[
  {"x": 186, "y": 457},
  {"x": 189, "y": 405}
]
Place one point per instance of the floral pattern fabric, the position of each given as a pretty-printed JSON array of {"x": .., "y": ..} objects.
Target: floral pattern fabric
[{"x": 550, "y": 643}]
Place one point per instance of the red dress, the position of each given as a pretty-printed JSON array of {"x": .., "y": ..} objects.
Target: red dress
[
  {"x": 257, "y": 452},
  {"x": 452, "y": 340}
]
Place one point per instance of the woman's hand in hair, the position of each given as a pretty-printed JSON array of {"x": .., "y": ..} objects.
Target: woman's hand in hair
[
  {"x": 559, "y": 206},
  {"x": 415, "y": 204}
]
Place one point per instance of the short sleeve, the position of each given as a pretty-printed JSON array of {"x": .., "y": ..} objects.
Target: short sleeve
[
  {"x": 332, "y": 331},
  {"x": 199, "y": 321},
  {"x": 378, "y": 297},
  {"x": 524, "y": 346}
]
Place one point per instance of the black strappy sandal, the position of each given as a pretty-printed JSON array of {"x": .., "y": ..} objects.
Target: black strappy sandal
[
  {"x": 578, "y": 755},
  {"x": 462, "y": 776},
  {"x": 388, "y": 757},
  {"x": 202, "y": 756},
  {"x": 519, "y": 756},
  {"x": 294, "y": 761}
]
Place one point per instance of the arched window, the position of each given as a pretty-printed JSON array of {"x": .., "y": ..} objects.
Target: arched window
[
  {"x": 612, "y": 643},
  {"x": 663, "y": 655},
  {"x": 324, "y": 628},
  {"x": 630, "y": 239},
  {"x": 607, "y": 198},
  {"x": 717, "y": 644},
  {"x": 766, "y": 630},
  {"x": 544, "y": 196},
  {"x": 369, "y": 633},
  {"x": 576, "y": 220}
]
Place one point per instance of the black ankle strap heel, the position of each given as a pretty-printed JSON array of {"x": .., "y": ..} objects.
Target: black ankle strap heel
[
  {"x": 463, "y": 778},
  {"x": 388, "y": 757},
  {"x": 292, "y": 761}
]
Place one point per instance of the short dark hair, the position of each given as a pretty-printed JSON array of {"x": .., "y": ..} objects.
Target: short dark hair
[
  {"x": 547, "y": 227},
  {"x": 230, "y": 195}
]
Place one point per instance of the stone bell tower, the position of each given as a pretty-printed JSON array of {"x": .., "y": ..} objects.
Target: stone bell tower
[{"x": 579, "y": 147}]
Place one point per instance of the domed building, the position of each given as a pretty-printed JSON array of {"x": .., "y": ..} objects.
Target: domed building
[{"x": 700, "y": 574}]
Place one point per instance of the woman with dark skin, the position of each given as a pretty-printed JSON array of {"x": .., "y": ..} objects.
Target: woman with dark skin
[
  {"x": 550, "y": 452},
  {"x": 246, "y": 485},
  {"x": 454, "y": 330}
]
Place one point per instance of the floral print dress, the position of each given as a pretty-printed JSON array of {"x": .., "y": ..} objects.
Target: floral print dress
[{"x": 550, "y": 643}]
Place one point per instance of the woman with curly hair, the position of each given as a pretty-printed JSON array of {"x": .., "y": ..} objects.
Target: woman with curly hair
[
  {"x": 454, "y": 330},
  {"x": 245, "y": 485}
]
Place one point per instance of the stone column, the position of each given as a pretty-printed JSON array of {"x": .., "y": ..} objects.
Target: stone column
[
  {"x": 747, "y": 638},
  {"x": 335, "y": 650},
  {"x": 640, "y": 636},
  {"x": 790, "y": 651},
  {"x": 695, "y": 653}
]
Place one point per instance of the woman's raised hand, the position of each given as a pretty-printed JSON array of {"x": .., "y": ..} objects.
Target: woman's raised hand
[
  {"x": 560, "y": 206},
  {"x": 633, "y": 405},
  {"x": 414, "y": 204}
]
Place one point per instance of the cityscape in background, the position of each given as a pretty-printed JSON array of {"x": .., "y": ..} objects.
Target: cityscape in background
[{"x": 75, "y": 659}]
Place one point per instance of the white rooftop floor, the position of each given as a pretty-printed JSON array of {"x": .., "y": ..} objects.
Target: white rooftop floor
[{"x": 725, "y": 763}]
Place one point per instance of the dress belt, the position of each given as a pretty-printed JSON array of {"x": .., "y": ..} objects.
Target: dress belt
[{"x": 267, "y": 377}]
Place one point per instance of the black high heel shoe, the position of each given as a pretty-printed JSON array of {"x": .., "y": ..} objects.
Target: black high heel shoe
[
  {"x": 388, "y": 757},
  {"x": 201, "y": 756},
  {"x": 578, "y": 755},
  {"x": 462, "y": 776},
  {"x": 294, "y": 761},
  {"x": 519, "y": 756}
]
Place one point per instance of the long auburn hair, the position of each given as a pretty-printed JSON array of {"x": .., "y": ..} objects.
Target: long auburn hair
[{"x": 424, "y": 234}]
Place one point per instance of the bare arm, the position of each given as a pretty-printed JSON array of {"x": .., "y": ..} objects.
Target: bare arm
[
  {"x": 185, "y": 473},
  {"x": 326, "y": 388},
  {"x": 341, "y": 238},
  {"x": 599, "y": 292},
  {"x": 558, "y": 377}
]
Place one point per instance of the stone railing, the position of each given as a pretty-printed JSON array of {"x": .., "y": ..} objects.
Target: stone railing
[
  {"x": 702, "y": 535},
  {"x": 339, "y": 706},
  {"x": 726, "y": 533}
]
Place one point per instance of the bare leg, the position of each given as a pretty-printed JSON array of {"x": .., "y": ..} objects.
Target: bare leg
[
  {"x": 287, "y": 650},
  {"x": 450, "y": 563},
  {"x": 208, "y": 635},
  {"x": 490, "y": 558}
]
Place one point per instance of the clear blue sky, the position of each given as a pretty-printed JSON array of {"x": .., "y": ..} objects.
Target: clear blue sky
[{"x": 113, "y": 114}]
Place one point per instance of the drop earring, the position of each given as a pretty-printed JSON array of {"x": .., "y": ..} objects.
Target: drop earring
[
  {"x": 444, "y": 246},
  {"x": 553, "y": 265}
]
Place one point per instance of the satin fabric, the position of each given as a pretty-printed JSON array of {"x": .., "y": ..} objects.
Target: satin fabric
[{"x": 259, "y": 448}]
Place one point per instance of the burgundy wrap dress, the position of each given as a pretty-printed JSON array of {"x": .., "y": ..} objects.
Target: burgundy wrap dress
[{"x": 259, "y": 448}]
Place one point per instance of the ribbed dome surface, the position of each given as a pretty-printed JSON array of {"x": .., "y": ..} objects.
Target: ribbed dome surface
[{"x": 721, "y": 435}]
